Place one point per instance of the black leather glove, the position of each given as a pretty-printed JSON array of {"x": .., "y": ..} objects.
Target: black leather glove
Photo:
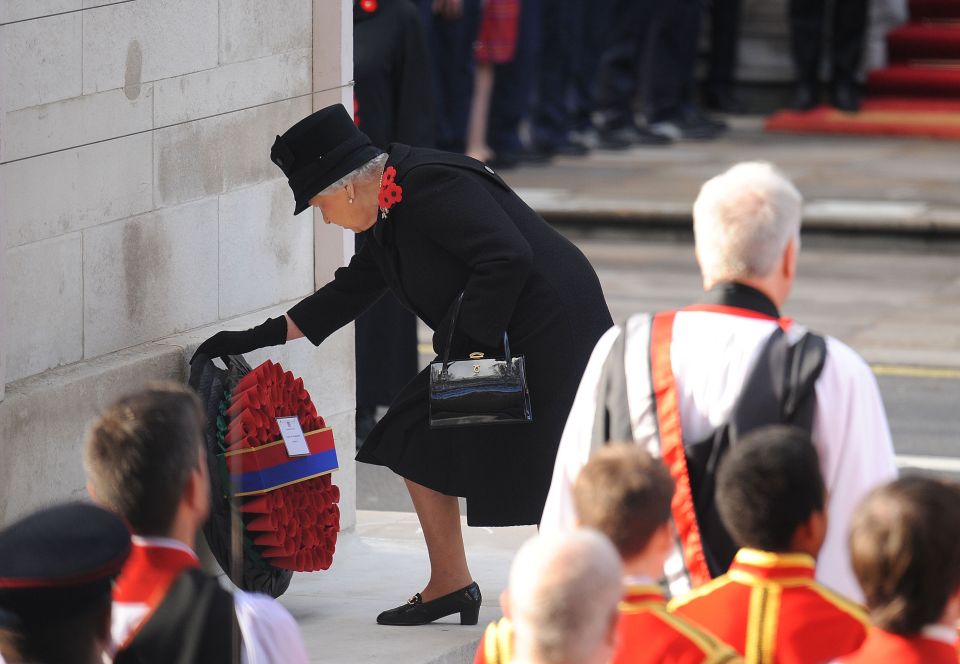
[{"x": 273, "y": 332}]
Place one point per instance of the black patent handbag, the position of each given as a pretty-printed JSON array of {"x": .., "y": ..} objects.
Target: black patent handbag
[{"x": 478, "y": 390}]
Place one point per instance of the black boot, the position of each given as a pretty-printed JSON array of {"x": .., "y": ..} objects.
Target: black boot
[
  {"x": 845, "y": 97},
  {"x": 723, "y": 100},
  {"x": 465, "y": 601},
  {"x": 806, "y": 96}
]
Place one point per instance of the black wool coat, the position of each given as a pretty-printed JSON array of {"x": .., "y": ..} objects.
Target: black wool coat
[{"x": 459, "y": 228}]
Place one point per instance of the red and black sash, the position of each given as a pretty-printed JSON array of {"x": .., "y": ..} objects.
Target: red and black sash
[{"x": 190, "y": 619}]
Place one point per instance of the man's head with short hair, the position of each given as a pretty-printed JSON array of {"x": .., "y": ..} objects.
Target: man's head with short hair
[
  {"x": 905, "y": 551},
  {"x": 562, "y": 598},
  {"x": 744, "y": 222},
  {"x": 144, "y": 457},
  {"x": 770, "y": 493},
  {"x": 625, "y": 493}
]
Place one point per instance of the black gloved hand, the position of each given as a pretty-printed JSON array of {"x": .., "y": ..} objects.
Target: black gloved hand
[{"x": 273, "y": 332}]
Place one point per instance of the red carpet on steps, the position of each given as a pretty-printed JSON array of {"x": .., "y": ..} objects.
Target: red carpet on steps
[
  {"x": 934, "y": 118},
  {"x": 924, "y": 41},
  {"x": 918, "y": 94},
  {"x": 903, "y": 80}
]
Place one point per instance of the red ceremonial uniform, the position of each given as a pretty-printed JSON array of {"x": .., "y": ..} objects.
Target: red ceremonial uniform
[
  {"x": 771, "y": 610},
  {"x": 882, "y": 646},
  {"x": 496, "y": 646},
  {"x": 646, "y": 632}
]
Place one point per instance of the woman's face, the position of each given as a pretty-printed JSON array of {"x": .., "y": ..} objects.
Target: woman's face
[{"x": 347, "y": 208}]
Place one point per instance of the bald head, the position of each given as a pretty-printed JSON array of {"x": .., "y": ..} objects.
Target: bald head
[
  {"x": 743, "y": 220},
  {"x": 563, "y": 597}
]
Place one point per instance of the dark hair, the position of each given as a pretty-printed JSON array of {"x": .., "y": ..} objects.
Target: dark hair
[
  {"x": 767, "y": 486},
  {"x": 905, "y": 551},
  {"x": 75, "y": 639},
  {"x": 624, "y": 493},
  {"x": 140, "y": 452}
]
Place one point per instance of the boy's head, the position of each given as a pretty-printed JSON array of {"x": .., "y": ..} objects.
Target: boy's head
[
  {"x": 770, "y": 492},
  {"x": 625, "y": 493},
  {"x": 144, "y": 459},
  {"x": 562, "y": 598},
  {"x": 905, "y": 551}
]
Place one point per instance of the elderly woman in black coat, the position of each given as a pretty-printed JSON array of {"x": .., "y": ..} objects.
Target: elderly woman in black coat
[{"x": 438, "y": 225}]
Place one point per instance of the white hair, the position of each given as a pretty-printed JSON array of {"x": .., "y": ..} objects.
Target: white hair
[
  {"x": 564, "y": 591},
  {"x": 743, "y": 220},
  {"x": 368, "y": 171}
]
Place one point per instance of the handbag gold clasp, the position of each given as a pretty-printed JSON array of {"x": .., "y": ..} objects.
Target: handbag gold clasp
[
  {"x": 476, "y": 368},
  {"x": 476, "y": 356}
]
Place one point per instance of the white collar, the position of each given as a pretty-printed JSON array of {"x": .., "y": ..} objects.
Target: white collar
[
  {"x": 639, "y": 580},
  {"x": 942, "y": 633},
  {"x": 163, "y": 542}
]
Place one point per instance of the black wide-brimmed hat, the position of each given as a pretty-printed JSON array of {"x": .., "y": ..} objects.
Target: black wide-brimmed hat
[
  {"x": 319, "y": 150},
  {"x": 60, "y": 561}
]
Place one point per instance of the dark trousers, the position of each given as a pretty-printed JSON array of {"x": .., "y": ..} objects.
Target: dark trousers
[
  {"x": 674, "y": 63},
  {"x": 573, "y": 37},
  {"x": 561, "y": 34},
  {"x": 450, "y": 45},
  {"x": 624, "y": 58},
  {"x": 514, "y": 84},
  {"x": 807, "y": 25},
  {"x": 386, "y": 339},
  {"x": 724, "y": 42},
  {"x": 595, "y": 18}
]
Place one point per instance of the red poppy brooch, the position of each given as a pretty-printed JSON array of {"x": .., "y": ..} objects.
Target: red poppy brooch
[{"x": 390, "y": 192}]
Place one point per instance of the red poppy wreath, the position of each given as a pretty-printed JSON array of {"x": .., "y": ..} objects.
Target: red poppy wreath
[{"x": 288, "y": 503}]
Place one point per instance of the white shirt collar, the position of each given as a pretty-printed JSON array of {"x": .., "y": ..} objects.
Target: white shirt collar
[
  {"x": 942, "y": 633},
  {"x": 163, "y": 542},
  {"x": 639, "y": 580}
]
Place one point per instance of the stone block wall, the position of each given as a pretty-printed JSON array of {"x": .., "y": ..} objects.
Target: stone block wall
[{"x": 138, "y": 203}]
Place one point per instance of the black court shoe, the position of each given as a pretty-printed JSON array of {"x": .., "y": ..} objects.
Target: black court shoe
[{"x": 465, "y": 601}]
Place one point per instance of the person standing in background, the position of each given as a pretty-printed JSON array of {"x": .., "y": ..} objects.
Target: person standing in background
[
  {"x": 718, "y": 89},
  {"x": 560, "y": 54},
  {"x": 595, "y": 18},
  {"x": 451, "y": 28},
  {"x": 671, "y": 109},
  {"x": 392, "y": 104},
  {"x": 625, "y": 61},
  {"x": 807, "y": 32},
  {"x": 391, "y": 70},
  {"x": 496, "y": 44},
  {"x": 514, "y": 83}
]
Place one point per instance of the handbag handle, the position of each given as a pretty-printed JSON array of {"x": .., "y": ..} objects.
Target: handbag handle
[{"x": 453, "y": 326}]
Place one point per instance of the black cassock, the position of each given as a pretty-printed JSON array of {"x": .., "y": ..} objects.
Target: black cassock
[
  {"x": 459, "y": 228},
  {"x": 393, "y": 103}
]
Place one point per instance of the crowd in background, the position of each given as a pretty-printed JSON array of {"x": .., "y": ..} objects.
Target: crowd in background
[{"x": 524, "y": 80}]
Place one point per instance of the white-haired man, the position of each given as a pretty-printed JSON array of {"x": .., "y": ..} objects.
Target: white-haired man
[
  {"x": 685, "y": 371},
  {"x": 561, "y": 603}
]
